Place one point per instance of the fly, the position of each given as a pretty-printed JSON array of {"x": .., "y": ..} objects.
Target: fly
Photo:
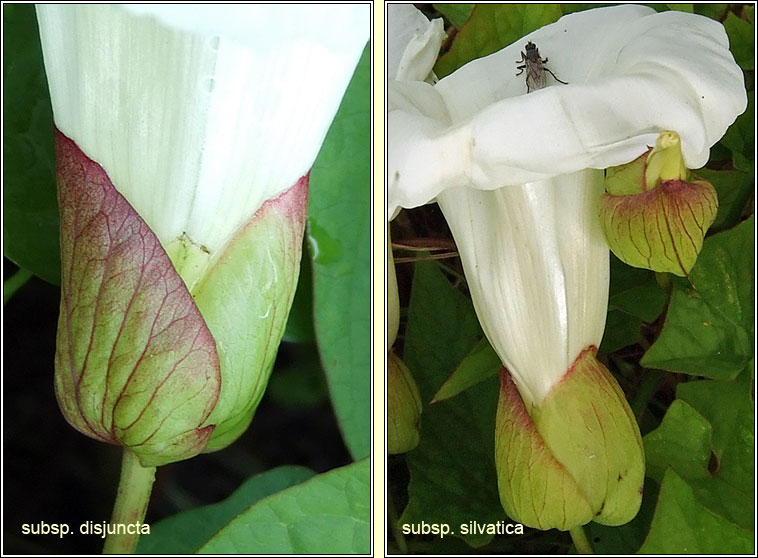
[{"x": 535, "y": 69}]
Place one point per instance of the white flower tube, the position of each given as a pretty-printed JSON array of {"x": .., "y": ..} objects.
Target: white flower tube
[
  {"x": 202, "y": 111},
  {"x": 537, "y": 267}
]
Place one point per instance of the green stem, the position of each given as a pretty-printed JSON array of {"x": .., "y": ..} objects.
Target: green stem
[
  {"x": 131, "y": 504},
  {"x": 14, "y": 283},
  {"x": 581, "y": 542}
]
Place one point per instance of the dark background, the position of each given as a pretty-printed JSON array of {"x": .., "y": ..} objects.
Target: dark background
[{"x": 52, "y": 473}]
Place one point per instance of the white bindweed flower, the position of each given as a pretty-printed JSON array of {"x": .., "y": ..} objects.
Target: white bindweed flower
[
  {"x": 632, "y": 73},
  {"x": 517, "y": 172},
  {"x": 185, "y": 136}
]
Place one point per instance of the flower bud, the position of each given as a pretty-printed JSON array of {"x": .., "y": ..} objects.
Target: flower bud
[
  {"x": 403, "y": 407},
  {"x": 577, "y": 458},
  {"x": 135, "y": 363},
  {"x": 654, "y": 215}
]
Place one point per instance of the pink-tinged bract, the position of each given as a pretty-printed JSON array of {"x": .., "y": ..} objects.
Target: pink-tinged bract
[{"x": 135, "y": 363}]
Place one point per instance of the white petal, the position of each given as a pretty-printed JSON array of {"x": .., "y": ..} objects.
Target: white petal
[
  {"x": 413, "y": 42},
  {"x": 632, "y": 73},
  {"x": 199, "y": 114},
  {"x": 537, "y": 268},
  {"x": 417, "y": 116}
]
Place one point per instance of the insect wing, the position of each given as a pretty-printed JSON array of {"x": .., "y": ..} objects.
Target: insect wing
[{"x": 535, "y": 76}]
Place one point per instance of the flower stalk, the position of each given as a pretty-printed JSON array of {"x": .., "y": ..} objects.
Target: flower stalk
[
  {"x": 130, "y": 507},
  {"x": 581, "y": 542}
]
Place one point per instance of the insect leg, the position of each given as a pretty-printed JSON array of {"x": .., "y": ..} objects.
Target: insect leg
[{"x": 556, "y": 79}]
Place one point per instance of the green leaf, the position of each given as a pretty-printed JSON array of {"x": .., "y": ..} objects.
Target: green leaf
[
  {"x": 706, "y": 438},
  {"x": 635, "y": 291},
  {"x": 445, "y": 487},
  {"x": 709, "y": 326},
  {"x": 14, "y": 283},
  {"x": 697, "y": 339},
  {"x": 741, "y": 40},
  {"x": 492, "y": 27},
  {"x": 621, "y": 330},
  {"x": 339, "y": 236},
  {"x": 30, "y": 210},
  {"x": 729, "y": 407},
  {"x": 740, "y": 137},
  {"x": 481, "y": 363},
  {"x": 681, "y": 441},
  {"x": 724, "y": 274},
  {"x": 186, "y": 532},
  {"x": 300, "y": 321},
  {"x": 634, "y": 297},
  {"x": 457, "y": 14},
  {"x": 573, "y": 8},
  {"x": 681, "y": 525},
  {"x": 713, "y": 11},
  {"x": 442, "y": 328},
  {"x": 298, "y": 383},
  {"x": 734, "y": 189},
  {"x": 328, "y": 514},
  {"x": 680, "y": 7}
]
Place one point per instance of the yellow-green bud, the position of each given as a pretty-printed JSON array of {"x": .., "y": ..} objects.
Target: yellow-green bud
[
  {"x": 654, "y": 215},
  {"x": 403, "y": 407},
  {"x": 577, "y": 458}
]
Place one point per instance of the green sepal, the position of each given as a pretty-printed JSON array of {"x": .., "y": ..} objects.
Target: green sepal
[
  {"x": 403, "y": 407},
  {"x": 245, "y": 297},
  {"x": 661, "y": 229},
  {"x": 577, "y": 459},
  {"x": 535, "y": 489},
  {"x": 588, "y": 425},
  {"x": 628, "y": 179},
  {"x": 135, "y": 364},
  {"x": 655, "y": 214}
]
